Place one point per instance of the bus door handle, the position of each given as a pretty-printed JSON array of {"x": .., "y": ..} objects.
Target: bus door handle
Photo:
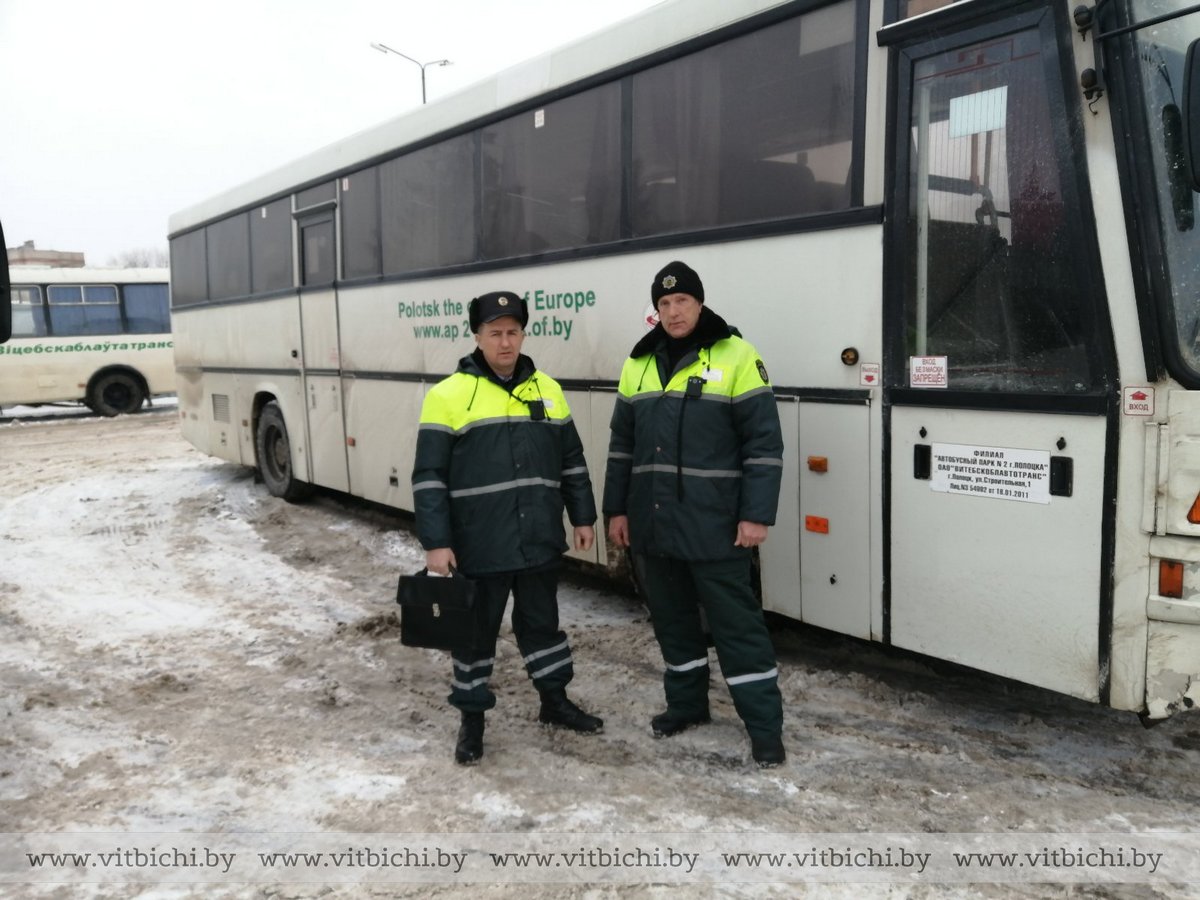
[
  {"x": 1062, "y": 476},
  {"x": 922, "y": 461}
]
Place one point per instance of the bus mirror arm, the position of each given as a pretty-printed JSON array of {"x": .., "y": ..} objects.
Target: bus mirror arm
[
  {"x": 1180, "y": 175},
  {"x": 1089, "y": 81}
]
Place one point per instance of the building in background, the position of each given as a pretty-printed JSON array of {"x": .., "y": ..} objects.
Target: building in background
[{"x": 28, "y": 255}]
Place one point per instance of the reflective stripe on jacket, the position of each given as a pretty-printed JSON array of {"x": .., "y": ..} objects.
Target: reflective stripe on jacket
[
  {"x": 492, "y": 476},
  {"x": 687, "y": 467}
]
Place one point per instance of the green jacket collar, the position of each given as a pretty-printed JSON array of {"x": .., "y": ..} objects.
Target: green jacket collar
[{"x": 475, "y": 364}]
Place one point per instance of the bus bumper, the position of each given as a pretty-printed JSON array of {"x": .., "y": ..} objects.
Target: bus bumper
[{"x": 1172, "y": 656}]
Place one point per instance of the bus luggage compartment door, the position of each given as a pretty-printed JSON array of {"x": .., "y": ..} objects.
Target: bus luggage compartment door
[{"x": 824, "y": 514}]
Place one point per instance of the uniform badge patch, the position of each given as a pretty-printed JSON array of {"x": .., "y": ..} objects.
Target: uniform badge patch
[
  {"x": 503, "y": 301},
  {"x": 669, "y": 282},
  {"x": 762, "y": 371}
]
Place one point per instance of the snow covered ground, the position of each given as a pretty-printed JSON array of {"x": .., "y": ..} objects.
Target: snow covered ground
[{"x": 182, "y": 653}]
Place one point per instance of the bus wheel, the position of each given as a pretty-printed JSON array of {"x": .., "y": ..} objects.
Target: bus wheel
[
  {"x": 114, "y": 393},
  {"x": 275, "y": 456}
]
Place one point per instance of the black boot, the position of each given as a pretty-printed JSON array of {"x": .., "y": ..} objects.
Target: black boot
[
  {"x": 469, "y": 748},
  {"x": 558, "y": 710},
  {"x": 768, "y": 752},
  {"x": 671, "y": 723}
]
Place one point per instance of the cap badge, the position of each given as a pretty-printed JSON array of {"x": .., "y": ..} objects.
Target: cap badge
[
  {"x": 669, "y": 282},
  {"x": 503, "y": 301}
]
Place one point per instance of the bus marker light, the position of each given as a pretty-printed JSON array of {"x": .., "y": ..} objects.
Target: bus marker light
[
  {"x": 820, "y": 464},
  {"x": 1193, "y": 515},
  {"x": 350, "y": 442},
  {"x": 1170, "y": 578},
  {"x": 819, "y": 524}
]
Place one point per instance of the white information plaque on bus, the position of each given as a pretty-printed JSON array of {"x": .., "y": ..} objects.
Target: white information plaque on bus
[{"x": 997, "y": 473}]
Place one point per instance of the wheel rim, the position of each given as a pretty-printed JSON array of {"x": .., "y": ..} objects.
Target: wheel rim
[
  {"x": 117, "y": 395},
  {"x": 277, "y": 454}
]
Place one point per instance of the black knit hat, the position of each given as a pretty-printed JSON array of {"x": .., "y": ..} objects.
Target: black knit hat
[
  {"x": 486, "y": 307},
  {"x": 676, "y": 278}
]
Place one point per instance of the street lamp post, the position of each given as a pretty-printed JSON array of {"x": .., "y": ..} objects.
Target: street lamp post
[{"x": 384, "y": 48}]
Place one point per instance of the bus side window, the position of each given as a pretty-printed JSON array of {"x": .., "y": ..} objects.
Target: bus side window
[
  {"x": 83, "y": 309},
  {"x": 146, "y": 308},
  {"x": 28, "y": 312}
]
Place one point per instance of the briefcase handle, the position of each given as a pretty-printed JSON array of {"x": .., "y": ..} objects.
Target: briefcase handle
[{"x": 454, "y": 573}]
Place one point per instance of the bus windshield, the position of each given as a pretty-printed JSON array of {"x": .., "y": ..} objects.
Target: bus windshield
[{"x": 1161, "y": 50}]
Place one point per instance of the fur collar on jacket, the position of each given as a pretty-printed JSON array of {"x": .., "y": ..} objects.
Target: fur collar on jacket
[{"x": 710, "y": 328}]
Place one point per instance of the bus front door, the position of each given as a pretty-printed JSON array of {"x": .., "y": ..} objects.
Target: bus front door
[{"x": 997, "y": 406}]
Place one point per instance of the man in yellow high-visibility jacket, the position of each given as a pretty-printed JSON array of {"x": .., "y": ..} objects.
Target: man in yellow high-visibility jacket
[
  {"x": 497, "y": 459},
  {"x": 694, "y": 466}
]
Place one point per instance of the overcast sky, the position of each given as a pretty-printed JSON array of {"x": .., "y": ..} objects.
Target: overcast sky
[{"x": 118, "y": 113}]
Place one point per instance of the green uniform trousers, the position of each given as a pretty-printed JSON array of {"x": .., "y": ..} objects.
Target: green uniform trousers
[
  {"x": 675, "y": 591},
  {"x": 543, "y": 645}
]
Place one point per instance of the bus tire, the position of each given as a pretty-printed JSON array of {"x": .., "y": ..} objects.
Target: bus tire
[
  {"x": 274, "y": 452},
  {"x": 113, "y": 393}
]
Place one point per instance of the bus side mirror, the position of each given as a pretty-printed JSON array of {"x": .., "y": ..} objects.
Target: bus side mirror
[
  {"x": 5, "y": 294},
  {"x": 1191, "y": 113}
]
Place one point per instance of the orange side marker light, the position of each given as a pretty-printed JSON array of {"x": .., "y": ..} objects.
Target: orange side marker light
[
  {"x": 1170, "y": 578},
  {"x": 1193, "y": 515}
]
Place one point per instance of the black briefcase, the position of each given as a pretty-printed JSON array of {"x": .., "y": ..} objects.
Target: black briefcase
[{"x": 436, "y": 612}]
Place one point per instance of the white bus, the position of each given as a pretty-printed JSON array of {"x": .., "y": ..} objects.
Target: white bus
[
  {"x": 969, "y": 262},
  {"x": 100, "y": 336}
]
